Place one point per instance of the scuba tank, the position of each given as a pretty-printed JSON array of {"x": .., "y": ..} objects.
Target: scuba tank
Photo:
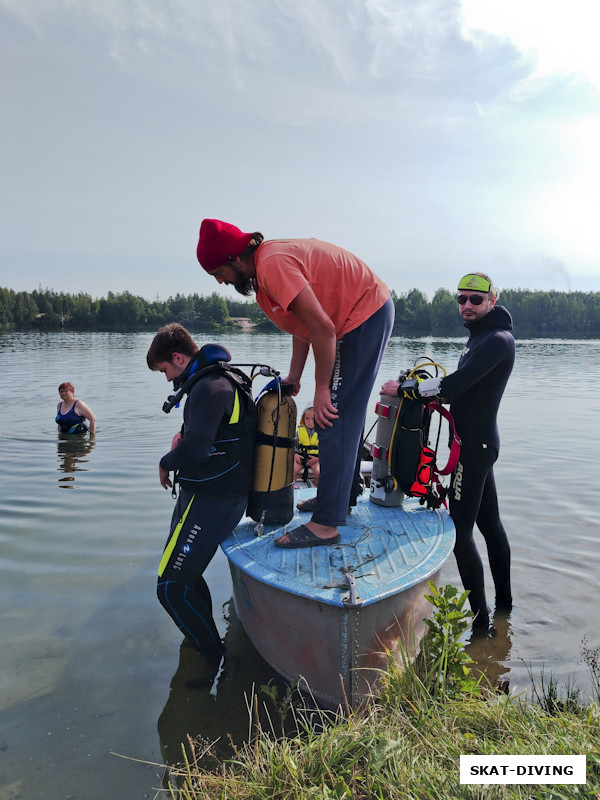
[
  {"x": 384, "y": 487},
  {"x": 403, "y": 463},
  {"x": 271, "y": 498}
]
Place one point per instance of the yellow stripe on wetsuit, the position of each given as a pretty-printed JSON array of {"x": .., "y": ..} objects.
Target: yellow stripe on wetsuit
[
  {"x": 235, "y": 417},
  {"x": 166, "y": 556}
]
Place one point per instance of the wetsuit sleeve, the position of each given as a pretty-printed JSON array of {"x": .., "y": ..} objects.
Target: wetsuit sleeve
[
  {"x": 209, "y": 401},
  {"x": 480, "y": 361}
]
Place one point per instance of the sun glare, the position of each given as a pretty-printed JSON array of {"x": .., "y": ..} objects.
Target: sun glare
[
  {"x": 560, "y": 35},
  {"x": 568, "y": 213}
]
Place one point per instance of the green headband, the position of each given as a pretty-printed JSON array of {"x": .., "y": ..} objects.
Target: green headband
[{"x": 474, "y": 283}]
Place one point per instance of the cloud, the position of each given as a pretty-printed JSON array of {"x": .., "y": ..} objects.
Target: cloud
[
  {"x": 358, "y": 39},
  {"x": 557, "y": 38},
  {"x": 388, "y": 126}
]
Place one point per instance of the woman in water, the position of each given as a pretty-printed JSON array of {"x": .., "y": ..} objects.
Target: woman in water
[{"x": 72, "y": 413}]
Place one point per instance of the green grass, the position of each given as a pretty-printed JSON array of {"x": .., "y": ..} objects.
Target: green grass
[{"x": 403, "y": 751}]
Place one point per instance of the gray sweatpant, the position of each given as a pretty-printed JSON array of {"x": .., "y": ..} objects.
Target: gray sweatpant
[{"x": 358, "y": 357}]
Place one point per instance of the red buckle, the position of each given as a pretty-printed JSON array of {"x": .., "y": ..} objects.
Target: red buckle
[
  {"x": 386, "y": 411},
  {"x": 381, "y": 453}
]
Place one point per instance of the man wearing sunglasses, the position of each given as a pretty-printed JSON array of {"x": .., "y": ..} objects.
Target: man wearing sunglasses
[{"x": 474, "y": 392}]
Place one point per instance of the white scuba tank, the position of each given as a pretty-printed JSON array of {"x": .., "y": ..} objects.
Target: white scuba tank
[{"x": 384, "y": 488}]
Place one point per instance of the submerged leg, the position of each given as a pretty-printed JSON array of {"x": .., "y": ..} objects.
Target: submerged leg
[
  {"x": 192, "y": 615},
  {"x": 199, "y": 524}
]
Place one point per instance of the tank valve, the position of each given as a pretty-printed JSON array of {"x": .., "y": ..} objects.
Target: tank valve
[{"x": 390, "y": 484}]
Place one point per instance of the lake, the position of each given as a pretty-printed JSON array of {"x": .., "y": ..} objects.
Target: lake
[{"x": 91, "y": 666}]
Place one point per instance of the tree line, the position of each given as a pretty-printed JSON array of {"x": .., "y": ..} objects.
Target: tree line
[{"x": 535, "y": 313}]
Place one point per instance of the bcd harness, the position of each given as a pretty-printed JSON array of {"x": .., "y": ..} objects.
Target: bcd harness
[
  {"x": 230, "y": 461},
  {"x": 412, "y": 461},
  {"x": 260, "y": 454}
]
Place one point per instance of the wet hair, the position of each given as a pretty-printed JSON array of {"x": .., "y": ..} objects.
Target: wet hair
[
  {"x": 68, "y": 386},
  {"x": 173, "y": 338}
]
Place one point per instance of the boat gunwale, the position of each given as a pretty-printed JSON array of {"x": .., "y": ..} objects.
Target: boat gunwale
[{"x": 337, "y": 595}]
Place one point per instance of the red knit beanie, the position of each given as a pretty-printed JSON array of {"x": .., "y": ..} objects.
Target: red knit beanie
[{"x": 220, "y": 242}]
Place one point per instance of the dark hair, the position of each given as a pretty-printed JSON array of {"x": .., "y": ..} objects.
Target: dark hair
[
  {"x": 256, "y": 240},
  {"x": 173, "y": 338},
  {"x": 67, "y": 385}
]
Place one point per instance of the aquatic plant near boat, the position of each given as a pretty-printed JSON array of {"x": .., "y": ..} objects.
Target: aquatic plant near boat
[
  {"x": 443, "y": 658},
  {"x": 442, "y": 666}
]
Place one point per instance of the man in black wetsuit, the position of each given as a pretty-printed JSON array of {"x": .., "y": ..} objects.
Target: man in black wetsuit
[
  {"x": 475, "y": 391},
  {"x": 212, "y": 461}
]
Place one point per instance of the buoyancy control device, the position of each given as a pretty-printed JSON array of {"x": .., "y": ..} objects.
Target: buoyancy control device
[
  {"x": 272, "y": 495},
  {"x": 404, "y": 462},
  {"x": 271, "y": 498}
]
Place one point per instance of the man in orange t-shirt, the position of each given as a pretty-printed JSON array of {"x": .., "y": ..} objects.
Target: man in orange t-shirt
[{"x": 330, "y": 300}]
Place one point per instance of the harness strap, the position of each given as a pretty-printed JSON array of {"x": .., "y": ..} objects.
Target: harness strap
[{"x": 454, "y": 454}]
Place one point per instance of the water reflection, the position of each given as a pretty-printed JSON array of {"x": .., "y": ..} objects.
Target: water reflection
[
  {"x": 491, "y": 655},
  {"x": 72, "y": 450},
  {"x": 215, "y": 708}
]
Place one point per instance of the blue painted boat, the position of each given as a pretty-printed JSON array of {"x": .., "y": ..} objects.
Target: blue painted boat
[{"x": 325, "y": 616}]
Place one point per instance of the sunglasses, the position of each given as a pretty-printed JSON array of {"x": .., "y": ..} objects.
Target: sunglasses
[{"x": 475, "y": 299}]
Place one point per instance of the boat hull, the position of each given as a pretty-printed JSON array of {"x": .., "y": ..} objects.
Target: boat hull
[
  {"x": 328, "y": 616},
  {"x": 336, "y": 654}
]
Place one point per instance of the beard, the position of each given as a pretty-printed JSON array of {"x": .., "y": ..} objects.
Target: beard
[{"x": 242, "y": 285}]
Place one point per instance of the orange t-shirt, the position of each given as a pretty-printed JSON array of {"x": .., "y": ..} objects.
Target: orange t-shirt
[{"x": 348, "y": 291}]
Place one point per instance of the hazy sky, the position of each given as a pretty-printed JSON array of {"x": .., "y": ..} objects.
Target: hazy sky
[{"x": 430, "y": 137}]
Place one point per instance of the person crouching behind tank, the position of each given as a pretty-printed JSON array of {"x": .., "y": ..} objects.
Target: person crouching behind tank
[
  {"x": 212, "y": 460},
  {"x": 306, "y": 456}
]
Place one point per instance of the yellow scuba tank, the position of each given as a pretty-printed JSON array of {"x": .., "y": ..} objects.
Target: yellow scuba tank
[
  {"x": 271, "y": 498},
  {"x": 384, "y": 487}
]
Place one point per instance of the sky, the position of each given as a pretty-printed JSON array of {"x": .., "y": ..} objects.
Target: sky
[{"x": 430, "y": 137}]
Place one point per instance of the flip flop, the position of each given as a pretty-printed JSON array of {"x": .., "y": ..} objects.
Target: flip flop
[{"x": 304, "y": 537}]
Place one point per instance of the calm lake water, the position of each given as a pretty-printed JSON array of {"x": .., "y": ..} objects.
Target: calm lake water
[{"x": 90, "y": 665}]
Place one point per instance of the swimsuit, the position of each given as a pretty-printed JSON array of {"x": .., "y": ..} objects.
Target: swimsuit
[{"x": 71, "y": 422}]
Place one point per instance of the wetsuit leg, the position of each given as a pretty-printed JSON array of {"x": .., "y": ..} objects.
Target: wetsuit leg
[
  {"x": 358, "y": 357},
  {"x": 199, "y": 524},
  {"x": 468, "y": 484},
  {"x": 490, "y": 525}
]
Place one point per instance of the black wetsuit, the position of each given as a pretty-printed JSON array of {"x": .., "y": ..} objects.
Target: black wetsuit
[
  {"x": 475, "y": 391},
  {"x": 213, "y": 463}
]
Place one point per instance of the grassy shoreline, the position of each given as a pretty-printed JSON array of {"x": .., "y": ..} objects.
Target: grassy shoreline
[
  {"x": 406, "y": 751},
  {"x": 407, "y": 741}
]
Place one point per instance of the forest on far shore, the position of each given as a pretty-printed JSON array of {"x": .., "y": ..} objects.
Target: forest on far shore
[{"x": 572, "y": 315}]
